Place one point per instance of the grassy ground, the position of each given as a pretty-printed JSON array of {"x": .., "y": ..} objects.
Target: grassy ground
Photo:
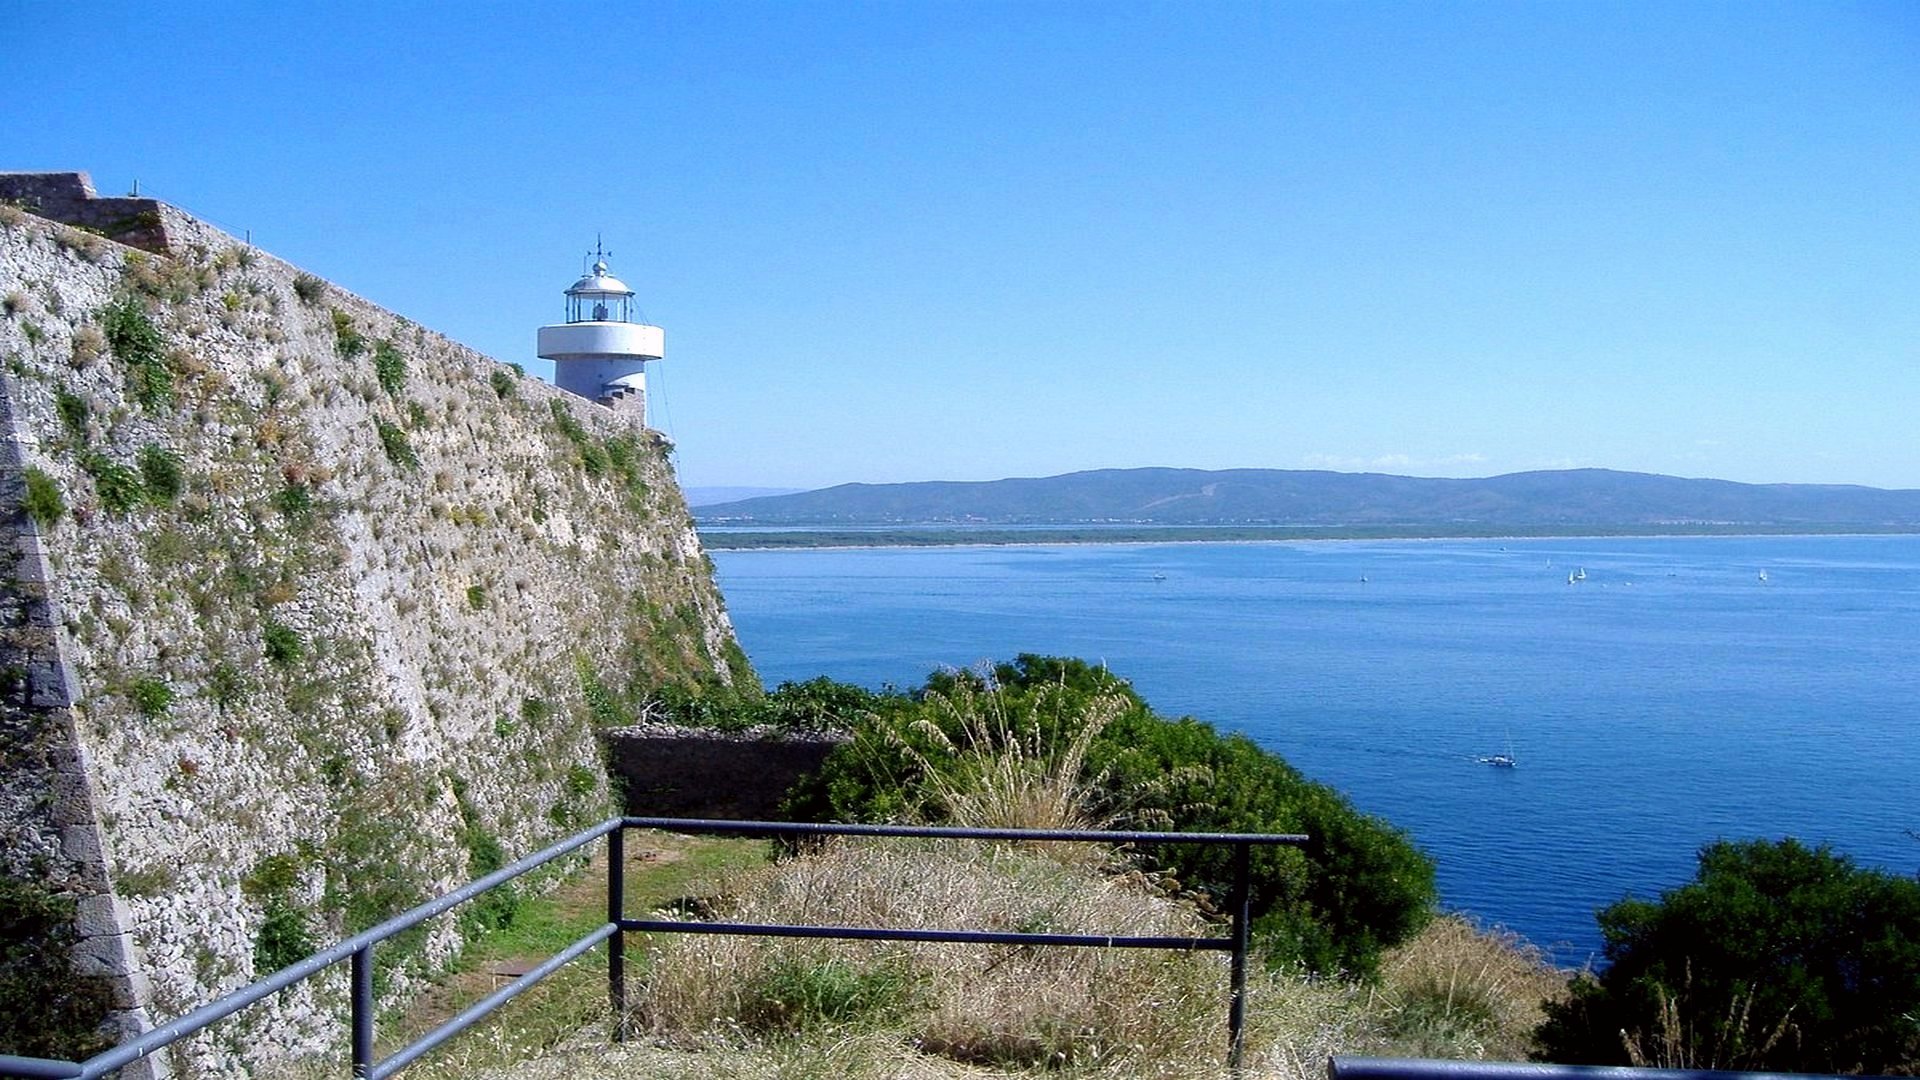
[
  {"x": 756, "y": 1008},
  {"x": 661, "y": 868}
]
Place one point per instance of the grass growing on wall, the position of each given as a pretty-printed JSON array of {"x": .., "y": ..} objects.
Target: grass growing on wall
[
  {"x": 137, "y": 344},
  {"x": 42, "y": 501},
  {"x": 45, "y": 1009}
]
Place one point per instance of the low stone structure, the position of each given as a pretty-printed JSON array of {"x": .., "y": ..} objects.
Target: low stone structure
[
  {"x": 69, "y": 198},
  {"x": 667, "y": 771}
]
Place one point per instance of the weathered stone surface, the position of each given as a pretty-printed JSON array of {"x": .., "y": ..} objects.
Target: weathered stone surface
[
  {"x": 104, "y": 955},
  {"x": 374, "y": 617},
  {"x": 100, "y": 915},
  {"x": 81, "y": 843}
]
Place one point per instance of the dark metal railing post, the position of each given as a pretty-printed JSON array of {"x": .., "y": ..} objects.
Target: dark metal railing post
[
  {"x": 1237, "y": 1008},
  {"x": 362, "y": 993},
  {"x": 617, "y": 944}
]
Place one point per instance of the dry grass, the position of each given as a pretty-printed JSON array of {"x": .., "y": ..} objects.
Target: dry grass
[
  {"x": 740, "y": 1008},
  {"x": 1010, "y": 774},
  {"x": 1682, "y": 1040},
  {"x": 1124, "y": 1012},
  {"x": 1458, "y": 991}
]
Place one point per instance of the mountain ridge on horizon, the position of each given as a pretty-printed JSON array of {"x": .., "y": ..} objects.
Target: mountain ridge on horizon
[{"x": 1180, "y": 496}]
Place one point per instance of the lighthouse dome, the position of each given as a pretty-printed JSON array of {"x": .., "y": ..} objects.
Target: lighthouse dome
[{"x": 599, "y": 282}]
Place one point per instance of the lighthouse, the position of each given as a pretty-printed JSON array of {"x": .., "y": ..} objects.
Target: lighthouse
[{"x": 600, "y": 353}]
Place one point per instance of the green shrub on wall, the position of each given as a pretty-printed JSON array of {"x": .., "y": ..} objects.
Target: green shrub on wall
[
  {"x": 137, "y": 344},
  {"x": 308, "y": 288},
  {"x": 390, "y": 368},
  {"x": 73, "y": 413},
  {"x": 119, "y": 487},
  {"x": 347, "y": 340},
  {"x": 282, "y": 643},
  {"x": 151, "y": 696},
  {"x": 45, "y": 1009},
  {"x": 398, "y": 448},
  {"x": 163, "y": 473},
  {"x": 283, "y": 939},
  {"x": 42, "y": 500}
]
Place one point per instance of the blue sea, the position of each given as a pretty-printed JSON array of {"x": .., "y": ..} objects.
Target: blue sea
[{"x": 1682, "y": 690}]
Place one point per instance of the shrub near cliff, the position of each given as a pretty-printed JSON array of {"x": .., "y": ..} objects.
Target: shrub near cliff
[
  {"x": 1360, "y": 886},
  {"x": 1776, "y": 956}
]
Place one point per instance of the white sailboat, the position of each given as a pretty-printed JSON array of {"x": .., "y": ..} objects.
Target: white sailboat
[{"x": 1501, "y": 761}]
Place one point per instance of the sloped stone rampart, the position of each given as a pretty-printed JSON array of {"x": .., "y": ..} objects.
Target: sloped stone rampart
[{"x": 322, "y": 619}]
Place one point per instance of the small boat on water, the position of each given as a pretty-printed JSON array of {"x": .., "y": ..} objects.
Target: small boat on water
[
  {"x": 1763, "y": 576},
  {"x": 1500, "y": 761}
]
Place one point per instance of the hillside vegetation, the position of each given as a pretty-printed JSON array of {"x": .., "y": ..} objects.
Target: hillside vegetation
[
  {"x": 1046, "y": 742},
  {"x": 1579, "y": 497}
]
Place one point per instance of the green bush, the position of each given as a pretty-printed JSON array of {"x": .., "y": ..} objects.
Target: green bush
[
  {"x": 496, "y": 908},
  {"x": 398, "y": 447},
  {"x": 308, "y": 288},
  {"x": 119, "y": 487},
  {"x": 137, "y": 344},
  {"x": 282, "y": 643},
  {"x": 564, "y": 420},
  {"x": 295, "y": 503},
  {"x": 151, "y": 696},
  {"x": 390, "y": 368},
  {"x": 602, "y": 706},
  {"x": 163, "y": 473},
  {"x": 819, "y": 704},
  {"x": 46, "y": 1010},
  {"x": 73, "y": 413},
  {"x": 476, "y": 597},
  {"x": 502, "y": 383},
  {"x": 42, "y": 500},
  {"x": 1356, "y": 889},
  {"x": 1776, "y": 956},
  {"x": 347, "y": 339},
  {"x": 283, "y": 938}
]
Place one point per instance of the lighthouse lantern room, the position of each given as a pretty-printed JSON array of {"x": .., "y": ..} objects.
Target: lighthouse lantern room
[{"x": 600, "y": 353}]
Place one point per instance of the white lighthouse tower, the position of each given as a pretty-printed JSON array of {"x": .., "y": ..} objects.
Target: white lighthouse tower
[{"x": 600, "y": 353}]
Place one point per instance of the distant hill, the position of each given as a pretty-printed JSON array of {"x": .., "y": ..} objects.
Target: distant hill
[
  {"x": 1577, "y": 497},
  {"x": 706, "y": 496}
]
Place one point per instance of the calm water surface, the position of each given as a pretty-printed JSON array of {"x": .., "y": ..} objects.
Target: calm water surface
[{"x": 1671, "y": 697}]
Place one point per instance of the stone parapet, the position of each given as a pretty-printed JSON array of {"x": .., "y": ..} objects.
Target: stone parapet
[{"x": 69, "y": 198}]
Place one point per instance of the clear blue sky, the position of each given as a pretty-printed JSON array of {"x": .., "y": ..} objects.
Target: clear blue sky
[{"x": 920, "y": 240}]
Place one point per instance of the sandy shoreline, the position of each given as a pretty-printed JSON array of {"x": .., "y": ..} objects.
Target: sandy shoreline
[{"x": 936, "y": 538}]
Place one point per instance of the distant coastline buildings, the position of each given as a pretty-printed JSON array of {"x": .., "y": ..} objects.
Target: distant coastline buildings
[{"x": 600, "y": 353}]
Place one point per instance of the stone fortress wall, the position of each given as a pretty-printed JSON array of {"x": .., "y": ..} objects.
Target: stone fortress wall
[{"x": 308, "y": 613}]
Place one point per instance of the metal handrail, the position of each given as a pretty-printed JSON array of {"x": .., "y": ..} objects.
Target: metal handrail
[
  {"x": 358, "y": 950},
  {"x": 1366, "y": 1068}
]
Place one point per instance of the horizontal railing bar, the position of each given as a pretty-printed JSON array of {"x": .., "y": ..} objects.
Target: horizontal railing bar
[
  {"x": 1094, "y": 836},
  {"x": 976, "y": 937},
  {"x": 1368, "y": 1068},
  {"x": 173, "y": 1031},
  {"x": 34, "y": 1068},
  {"x": 166, "y": 1034},
  {"x": 478, "y": 1011}
]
